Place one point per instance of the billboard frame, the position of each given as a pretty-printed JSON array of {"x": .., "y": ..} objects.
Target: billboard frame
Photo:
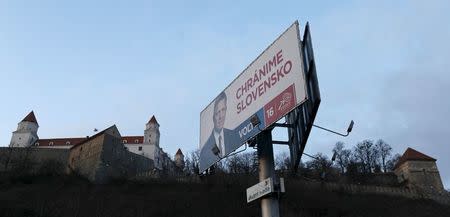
[{"x": 302, "y": 118}]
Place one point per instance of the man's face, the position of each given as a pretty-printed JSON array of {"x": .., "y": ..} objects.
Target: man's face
[{"x": 219, "y": 115}]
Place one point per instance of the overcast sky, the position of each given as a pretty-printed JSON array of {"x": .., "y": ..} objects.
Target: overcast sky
[{"x": 82, "y": 65}]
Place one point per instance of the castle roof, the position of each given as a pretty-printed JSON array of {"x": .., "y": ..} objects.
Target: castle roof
[
  {"x": 30, "y": 118},
  {"x": 76, "y": 140},
  {"x": 153, "y": 120},
  {"x": 94, "y": 136},
  {"x": 413, "y": 155},
  {"x": 179, "y": 152},
  {"x": 132, "y": 139},
  {"x": 59, "y": 141}
]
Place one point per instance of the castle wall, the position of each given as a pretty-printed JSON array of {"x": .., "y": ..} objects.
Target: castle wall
[
  {"x": 117, "y": 162},
  {"x": 442, "y": 197},
  {"x": 84, "y": 158},
  {"x": 31, "y": 158}
]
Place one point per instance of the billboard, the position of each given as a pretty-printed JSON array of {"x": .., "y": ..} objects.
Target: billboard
[{"x": 269, "y": 88}]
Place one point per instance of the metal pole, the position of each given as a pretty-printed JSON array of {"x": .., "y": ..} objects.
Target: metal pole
[{"x": 269, "y": 205}]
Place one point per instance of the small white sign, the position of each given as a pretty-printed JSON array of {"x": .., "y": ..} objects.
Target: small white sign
[{"x": 261, "y": 189}]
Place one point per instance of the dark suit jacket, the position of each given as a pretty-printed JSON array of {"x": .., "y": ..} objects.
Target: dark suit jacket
[{"x": 207, "y": 157}]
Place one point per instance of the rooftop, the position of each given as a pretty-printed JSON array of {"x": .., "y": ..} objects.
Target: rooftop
[{"x": 413, "y": 155}]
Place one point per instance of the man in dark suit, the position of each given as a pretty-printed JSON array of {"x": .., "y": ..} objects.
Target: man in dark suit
[{"x": 221, "y": 141}]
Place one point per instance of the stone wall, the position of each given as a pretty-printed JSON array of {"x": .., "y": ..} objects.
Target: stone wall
[
  {"x": 117, "y": 162},
  {"x": 30, "y": 158},
  {"x": 443, "y": 197},
  {"x": 378, "y": 179},
  {"x": 84, "y": 158}
]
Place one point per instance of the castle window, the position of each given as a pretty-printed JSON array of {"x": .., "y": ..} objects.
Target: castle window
[
  {"x": 136, "y": 141},
  {"x": 140, "y": 148},
  {"x": 50, "y": 144},
  {"x": 68, "y": 143},
  {"x": 125, "y": 141}
]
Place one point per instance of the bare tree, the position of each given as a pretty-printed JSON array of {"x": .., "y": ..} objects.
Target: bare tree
[
  {"x": 390, "y": 165},
  {"x": 366, "y": 153},
  {"x": 320, "y": 163},
  {"x": 192, "y": 162},
  {"x": 242, "y": 164},
  {"x": 384, "y": 151},
  {"x": 343, "y": 156},
  {"x": 283, "y": 161},
  {"x": 221, "y": 167}
]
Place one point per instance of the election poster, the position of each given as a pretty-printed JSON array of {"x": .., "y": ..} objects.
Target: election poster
[{"x": 270, "y": 87}]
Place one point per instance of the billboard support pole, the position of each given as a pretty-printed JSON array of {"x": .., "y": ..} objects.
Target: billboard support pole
[{"x": 270, "y": 204}]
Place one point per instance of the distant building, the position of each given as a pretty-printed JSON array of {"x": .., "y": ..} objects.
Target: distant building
[
  {"x": 179, "y": 159},
  {"x": 417, "y": 170},
  {"x": 148, "y": 145}
]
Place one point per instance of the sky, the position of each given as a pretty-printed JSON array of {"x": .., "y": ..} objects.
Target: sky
[{"x": 81, "y": 65}]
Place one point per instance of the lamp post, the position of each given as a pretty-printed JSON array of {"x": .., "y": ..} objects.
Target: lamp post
[{"x": 349, "y": 129}]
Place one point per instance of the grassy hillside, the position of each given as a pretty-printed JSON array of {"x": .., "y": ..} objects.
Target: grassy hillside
[{"x": 215, "y": 196}]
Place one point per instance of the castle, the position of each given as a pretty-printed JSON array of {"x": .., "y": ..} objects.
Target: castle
[{"x": 146, "y": 148}]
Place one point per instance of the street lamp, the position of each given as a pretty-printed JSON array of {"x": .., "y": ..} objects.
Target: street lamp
[{"x": 349, "y": 129}]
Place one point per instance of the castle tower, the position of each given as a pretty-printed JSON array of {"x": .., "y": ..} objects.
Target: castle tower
[
  {"x": 418, "y": 170},
  {"x": 179, "y": 159},
  {"x": 151, "y": 132},
  {"x": 26, "y": 133}
]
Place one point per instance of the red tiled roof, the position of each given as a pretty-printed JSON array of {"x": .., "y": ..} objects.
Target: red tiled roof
[
  {"x": 132, "y": 139},
  {"x": 411, "y": 154},
  {"x": 59, "y": 141},
  {"x": 153, "y": 120},
  {"x": 179, "y": 152},
  {"x": 75, "y": 141},
  {"x": 30, "y": 118}
]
